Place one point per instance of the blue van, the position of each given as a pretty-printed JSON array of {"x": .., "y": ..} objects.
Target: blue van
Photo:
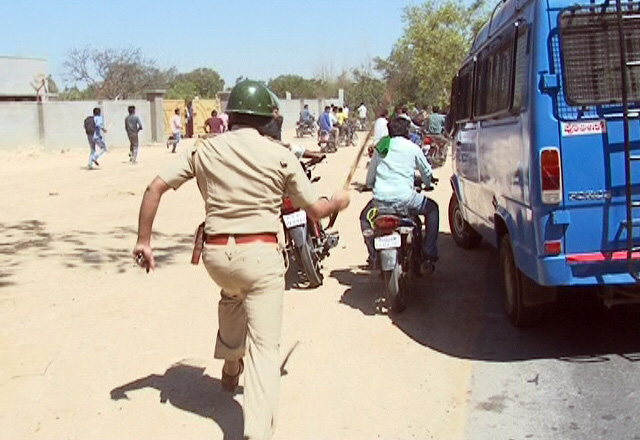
[{"x": 547, "y": 149}]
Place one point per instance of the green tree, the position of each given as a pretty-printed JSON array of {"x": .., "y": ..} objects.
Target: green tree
[
  {"x": 366, "y": 88},
  {"x": 181, "y": 89},
  {"x": 298, "y": 86},
  {"x": 203, "y": 82},
  {"x": 436, "y": 38}
]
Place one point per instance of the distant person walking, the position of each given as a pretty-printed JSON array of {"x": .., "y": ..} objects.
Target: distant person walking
[
  {"x": 225, "y": 119},
  {"x": 132, "y": 126},
  {"x": 176, "y": 129},
  {"x": 214, "y": 124},
  {"x": 190, "y": 116},
  {"x": 362, "y": 114},
  {"x": 94, "y": 127},
  {"x": 90, "y": 129}
]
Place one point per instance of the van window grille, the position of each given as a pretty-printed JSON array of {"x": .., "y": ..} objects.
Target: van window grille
[
  {"x": 591, "y": 55},
  {"x": 520, "y": 74},
  {"x": 564, "y": 111},
  {"x": 493, "y": 77},
  {"x": 462, "y": 93}
]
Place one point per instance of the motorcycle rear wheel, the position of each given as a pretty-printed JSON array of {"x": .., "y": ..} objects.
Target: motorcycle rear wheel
[
  {"x": 310, "y": 263},
  {"x": 394, "y": 285}
]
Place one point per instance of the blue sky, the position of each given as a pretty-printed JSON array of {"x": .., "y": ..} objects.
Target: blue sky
[{"x": 256, "y": 39}]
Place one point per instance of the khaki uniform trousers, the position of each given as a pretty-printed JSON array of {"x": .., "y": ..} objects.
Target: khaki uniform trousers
[{"x": 252, "y": 280}]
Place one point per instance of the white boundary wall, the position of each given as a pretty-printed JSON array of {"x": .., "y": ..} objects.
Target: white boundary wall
[{"x": 59, "y": 124}]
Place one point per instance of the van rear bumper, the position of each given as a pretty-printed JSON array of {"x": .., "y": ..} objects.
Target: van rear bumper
[{"x": 587, "y": 269}]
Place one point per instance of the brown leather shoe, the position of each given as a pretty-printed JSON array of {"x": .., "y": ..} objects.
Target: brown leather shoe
[{"x": 230, "y": 382}]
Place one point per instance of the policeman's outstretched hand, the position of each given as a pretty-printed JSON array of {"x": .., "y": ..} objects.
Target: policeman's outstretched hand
[
  {"x": 143, "y": 256},
  {"x": 341, "y": 199}
]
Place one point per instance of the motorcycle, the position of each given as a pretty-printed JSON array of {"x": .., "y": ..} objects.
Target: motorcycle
[
  {"x": 347, "y": 134},
  {"x": 305, "y": 127},
  {"x": 306, "y": 241},
  {"x": 397, "y": 239},
  {"x": 327, "y": 141},
  {"x": 362, "y": 125},
  {"x": 435, "y": 147}
]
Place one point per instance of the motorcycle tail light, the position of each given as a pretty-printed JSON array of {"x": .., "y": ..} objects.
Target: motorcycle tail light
[
  {"x": 386, "y": 222},
  {"x": 287, "y": 205},
  {"x": 427, "y": 140}
]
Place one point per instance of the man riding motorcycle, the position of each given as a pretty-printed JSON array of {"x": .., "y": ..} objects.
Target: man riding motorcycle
[
  {"x": 392, "y": 176},
  {"x": 306, "y": 117},
  {"x": 326, "y": 123}
]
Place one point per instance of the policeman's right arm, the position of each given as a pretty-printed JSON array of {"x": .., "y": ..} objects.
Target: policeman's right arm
[
  {"x": 304, "y": 196},
  {"x": 324, "y": 207},
  {"x": 148, "y": 210}
]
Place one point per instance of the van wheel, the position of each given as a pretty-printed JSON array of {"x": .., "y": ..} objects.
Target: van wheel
[
  {"x": 463, "y": 234},
  {"x": 515, "y": 286}
]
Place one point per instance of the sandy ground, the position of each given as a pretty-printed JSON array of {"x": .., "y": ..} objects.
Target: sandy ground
[{"x": 93, "y": 348}]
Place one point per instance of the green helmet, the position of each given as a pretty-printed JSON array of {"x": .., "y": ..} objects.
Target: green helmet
[{"x": 252, "y": 98}]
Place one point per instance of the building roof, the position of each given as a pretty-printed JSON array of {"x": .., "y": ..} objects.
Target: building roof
[{"x": 20, "y": 77}]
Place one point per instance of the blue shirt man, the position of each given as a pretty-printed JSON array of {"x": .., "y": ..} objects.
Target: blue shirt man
[
  {"x": 325, "y": 120},
  {"x": 305, "y": 114}
]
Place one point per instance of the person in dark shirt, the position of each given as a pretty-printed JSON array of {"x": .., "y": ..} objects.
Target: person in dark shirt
[
  {"x": 214, "y": 124},
  {"x": 132, "y": 126}
]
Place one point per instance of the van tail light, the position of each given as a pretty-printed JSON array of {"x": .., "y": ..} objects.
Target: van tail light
[
  {"x": 287, "y": 205},
  {"x": 553, "y": 247},
  {"x": 386, "y": 222},
  {"x": 551, "y": 175}
]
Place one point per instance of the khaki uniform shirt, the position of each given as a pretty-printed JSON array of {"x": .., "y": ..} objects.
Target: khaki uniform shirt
[{"x": 242, "y": 177}]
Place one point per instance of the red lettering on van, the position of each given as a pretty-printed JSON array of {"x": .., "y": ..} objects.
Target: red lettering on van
[{"x": 580, "y": 128}]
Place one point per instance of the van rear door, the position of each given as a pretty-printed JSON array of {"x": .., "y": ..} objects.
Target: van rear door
[{"x": 592, "y": 140}]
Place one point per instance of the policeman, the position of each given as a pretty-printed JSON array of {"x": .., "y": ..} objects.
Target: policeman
[{"x": 242, "y": 177}]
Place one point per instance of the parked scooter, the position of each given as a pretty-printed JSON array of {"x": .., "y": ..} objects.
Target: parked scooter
[
  {"x": 397, "y": 239},
  {"x": 306, "y": 240}
]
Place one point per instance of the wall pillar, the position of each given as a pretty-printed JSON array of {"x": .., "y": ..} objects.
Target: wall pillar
[
  {"x": 41, "y": 129},
  {"x": 156, "y": 103}
]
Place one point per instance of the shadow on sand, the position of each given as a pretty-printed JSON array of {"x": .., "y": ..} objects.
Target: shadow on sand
[
  {"x": 188, "y": 388},
  {"x": 457, "y": 311},
  {"x": 29, "y": 240}
]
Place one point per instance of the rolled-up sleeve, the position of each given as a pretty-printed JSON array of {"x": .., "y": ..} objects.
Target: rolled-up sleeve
[
  {"x": 424, "y": 167},
  {"x": 180, "y": 170}
]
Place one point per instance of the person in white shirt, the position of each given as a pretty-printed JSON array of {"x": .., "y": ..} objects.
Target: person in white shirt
[
  {"x": 176, "y": 129},
  {"x": 334, "y": 116},
  {"x": 380, "y": 129},
  {"x": 362, "y": 113}
]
